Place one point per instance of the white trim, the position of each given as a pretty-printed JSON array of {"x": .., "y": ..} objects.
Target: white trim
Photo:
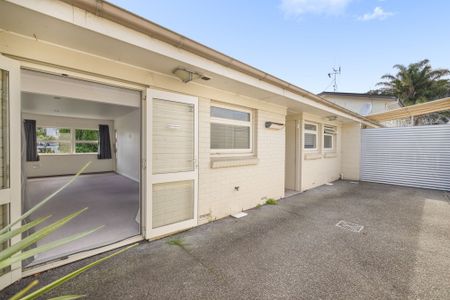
[
  {"x": 329, "y": 149},
  {"x": 88, "y": 253},
  {"x": 151, "y": 233},
  {"x": 226, "y": 121},
  {"x": 5, "y": 196},
  {"x": 14, "y": 134},
  {"x": 315, "y": 132},
  {"x": 78, "y": 256},
  {"x": 333, "y": 138},
  {"x": 72, "y": 142}
]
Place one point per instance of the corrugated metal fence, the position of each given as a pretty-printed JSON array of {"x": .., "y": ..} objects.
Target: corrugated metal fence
[{"x": 411, "y": 156}]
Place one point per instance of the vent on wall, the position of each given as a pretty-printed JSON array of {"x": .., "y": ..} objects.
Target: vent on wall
[{"x": 329, "y": 129}]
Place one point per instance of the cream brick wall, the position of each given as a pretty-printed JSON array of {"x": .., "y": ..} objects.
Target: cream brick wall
[
  {"x": 265, "y": 179},
  {"x": 217, "y": 197},
  {"x": 319, "y": 169},
  {"x": 351, "y": 150}
]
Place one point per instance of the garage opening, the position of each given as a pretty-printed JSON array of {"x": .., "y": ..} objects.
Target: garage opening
[{"x": 68, "y": 123}]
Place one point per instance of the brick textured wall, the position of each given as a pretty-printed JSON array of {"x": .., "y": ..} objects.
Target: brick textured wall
[
  {"x": 321, "y": 169},
  {"x": 265, "y": 179}
]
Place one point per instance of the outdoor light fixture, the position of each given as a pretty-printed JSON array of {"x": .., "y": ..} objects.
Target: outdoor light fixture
[
  {"x": 331, "y": 118},
  {"x": 187, "y": 75},
  {"x": 274, "y": 125}
]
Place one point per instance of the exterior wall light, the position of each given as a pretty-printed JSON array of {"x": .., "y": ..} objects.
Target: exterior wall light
[
  {"x": 187, "y": 75},
  {"x": 273, "y": 125}
]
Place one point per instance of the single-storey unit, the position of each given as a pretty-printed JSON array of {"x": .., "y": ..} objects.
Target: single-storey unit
[{"x": 177, "y": 134}]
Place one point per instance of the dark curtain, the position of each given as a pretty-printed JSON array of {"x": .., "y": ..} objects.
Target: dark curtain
[
  {"x": 30, "y": 140},
  {"x": 104, "y": 142}
]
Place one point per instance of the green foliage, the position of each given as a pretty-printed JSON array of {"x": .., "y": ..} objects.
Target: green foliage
[
  {"x": 416, "y": 83},
  {"x": 86, "y": 135},
  {"x": 176, "y": 242},
  {"x": 86, "y": 148},
  {"x": 16, "y": 252},
  {"x": 271, "y": 201},
  {"x": 69, "y": 276}
]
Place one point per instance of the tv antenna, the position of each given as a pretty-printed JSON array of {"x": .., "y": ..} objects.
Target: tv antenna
[{"x": 333, "y": 75}]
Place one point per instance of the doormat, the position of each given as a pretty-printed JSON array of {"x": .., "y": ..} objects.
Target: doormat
[{"x": 353, "y": 227}]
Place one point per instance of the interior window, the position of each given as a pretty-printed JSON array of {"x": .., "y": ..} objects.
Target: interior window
[
  {"x": 231, "y": 130},
  {"x": 86, "y": 141},
  {"x": 51, "y": 140},
  {"x": 55, "y": 140}
]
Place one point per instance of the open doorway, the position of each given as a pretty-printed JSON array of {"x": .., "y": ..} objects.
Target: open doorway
[
  {"x": 292, "y": 161},
  {"x": 64, "y": 131}
]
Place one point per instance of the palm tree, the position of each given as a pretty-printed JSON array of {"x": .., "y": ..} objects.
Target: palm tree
[{"x": 416, "y": 83}]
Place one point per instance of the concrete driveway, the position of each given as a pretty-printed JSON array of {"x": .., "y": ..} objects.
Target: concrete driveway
[{"x": 292, "y": 250}]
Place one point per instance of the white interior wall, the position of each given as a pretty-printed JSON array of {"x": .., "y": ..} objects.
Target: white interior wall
[
  {"x": 65, "y": 164},
  {"x": 127, "y": 129}
]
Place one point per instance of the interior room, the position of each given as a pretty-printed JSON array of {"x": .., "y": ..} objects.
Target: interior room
[{"x": 61, "y": 134}]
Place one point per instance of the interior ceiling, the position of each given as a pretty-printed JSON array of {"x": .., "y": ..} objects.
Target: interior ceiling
[
  {"x": 69, "y": 107},
  {"x": 39, "y": 26}
]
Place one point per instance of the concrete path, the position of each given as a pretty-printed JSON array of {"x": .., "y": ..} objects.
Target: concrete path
[{"x": 293, "y": 251}]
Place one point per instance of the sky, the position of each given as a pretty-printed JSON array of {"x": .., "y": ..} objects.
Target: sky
[{"x": 300, "y": 41}]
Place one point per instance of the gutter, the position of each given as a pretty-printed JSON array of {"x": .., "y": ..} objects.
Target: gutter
[{"x": 125, "y": 18}]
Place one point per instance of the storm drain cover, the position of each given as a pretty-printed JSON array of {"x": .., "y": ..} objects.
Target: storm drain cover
[{"x": 353, "y": 227}]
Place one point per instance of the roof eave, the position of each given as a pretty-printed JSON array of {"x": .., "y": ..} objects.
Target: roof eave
[{"x": 125, "y": 18}]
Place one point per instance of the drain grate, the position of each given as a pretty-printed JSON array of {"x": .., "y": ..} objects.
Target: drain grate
[{"x": 353, "y": 227}]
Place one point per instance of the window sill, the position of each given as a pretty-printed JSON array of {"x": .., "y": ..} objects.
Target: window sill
[
  {"x": 312, "y": 156},
  {"x": 65, "y": 154},
  {"x": 330, "y": 155},
  {"x": 228, "y": 162}
]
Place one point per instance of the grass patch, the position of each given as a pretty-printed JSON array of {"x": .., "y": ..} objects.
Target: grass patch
[
  {"x": 258, "y": 205},
  {"x": 271, "y": 201},
  {"x": 176, "y": 242}
]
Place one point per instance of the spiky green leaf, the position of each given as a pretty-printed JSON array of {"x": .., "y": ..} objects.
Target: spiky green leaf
[
  {"x": 69, "y": 276},
  {"x": 13, "y": 249},
  {"x": 24, "y": 255},
  {"x": 48, "y": 198},
  {"x": 10, "y": 234},
  {"x": 25, "y": 290}
]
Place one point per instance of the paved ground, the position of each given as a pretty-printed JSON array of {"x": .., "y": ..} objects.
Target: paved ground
[{"x": 293, "y": 250}]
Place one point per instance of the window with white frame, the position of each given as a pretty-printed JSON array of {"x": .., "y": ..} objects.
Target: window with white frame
[
  {"x": 58, "y": 140},
  {"x": 329, "y": 136},
  {"x": 86, "y": 140},
  {"x": 310, "y": 136},
  {"x": 53, "y": 140},
  {"x": 231, "y": 129}
]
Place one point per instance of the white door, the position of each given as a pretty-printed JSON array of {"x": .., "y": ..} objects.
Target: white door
[
  {"x": 10, "y": 128},
  {"x": 172, "y": 156}
]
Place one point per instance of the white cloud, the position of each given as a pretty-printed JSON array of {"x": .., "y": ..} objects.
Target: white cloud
[
  {"x": 377, "y": 14},
  {"x": 318, "y": 7}
]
